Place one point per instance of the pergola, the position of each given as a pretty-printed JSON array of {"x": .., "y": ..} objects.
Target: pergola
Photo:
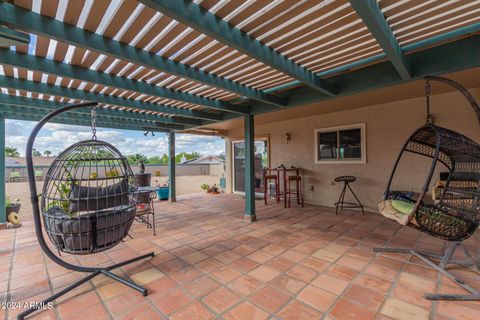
[{"x": 175, "y": 66}]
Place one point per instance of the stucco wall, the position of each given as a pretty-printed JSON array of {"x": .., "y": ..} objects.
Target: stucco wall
[{"x": 387, "y": 127}]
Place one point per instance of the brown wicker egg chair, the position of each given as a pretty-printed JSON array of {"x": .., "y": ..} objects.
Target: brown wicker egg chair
[{"x": 456, "y": 215}]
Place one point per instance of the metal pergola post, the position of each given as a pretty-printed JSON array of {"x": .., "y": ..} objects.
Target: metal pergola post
[
  {"x": 3, "y": 214},
  {"x": 249, "y": 168},
  {"x": 171, "y": 166}
]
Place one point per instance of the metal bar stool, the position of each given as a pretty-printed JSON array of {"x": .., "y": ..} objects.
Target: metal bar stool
[
  {"x": 297, "y": 192},
  {"x": 341, "y": 200},
  {"x": 271, "y": 185}
]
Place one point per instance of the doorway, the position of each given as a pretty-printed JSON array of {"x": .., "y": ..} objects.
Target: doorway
[{"x": 261, "y": 162}]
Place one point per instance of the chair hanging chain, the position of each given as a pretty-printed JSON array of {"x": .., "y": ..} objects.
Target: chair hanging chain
[
  {"x": 93, "y": 116},
  {"x": 429, "y": 119}
]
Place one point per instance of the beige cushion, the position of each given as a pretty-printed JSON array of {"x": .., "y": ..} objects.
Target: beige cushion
[{"x": 388, "y": 211}]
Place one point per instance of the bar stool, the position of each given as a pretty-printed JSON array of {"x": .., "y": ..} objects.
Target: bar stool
[
  {"x": 270, "y": 185},
  {"x": 297, "y": 191},
  {"x": 341, "y": 200}
]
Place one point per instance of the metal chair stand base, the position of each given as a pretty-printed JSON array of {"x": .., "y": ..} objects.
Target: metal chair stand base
[
  {"x": 105, "y": 271},
  {"x": 341, "y": 200},
  {"x": 445, "y": 259},
  {"x": 146, "y": 220}
]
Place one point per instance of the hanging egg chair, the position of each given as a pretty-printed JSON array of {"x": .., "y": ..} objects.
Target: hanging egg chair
[
  {"x": 87, "y": 203},
  {"x": 88, "y": 200},
  {"x": 455, "y": 216}
]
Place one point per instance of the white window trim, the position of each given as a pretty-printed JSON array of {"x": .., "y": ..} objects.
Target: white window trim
[{"x": 360, "y": 126}]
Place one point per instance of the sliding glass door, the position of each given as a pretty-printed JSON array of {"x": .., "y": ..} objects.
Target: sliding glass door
[{"x": 261, "y": 162}]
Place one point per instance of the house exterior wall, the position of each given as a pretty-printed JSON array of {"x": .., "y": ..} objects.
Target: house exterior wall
[{"x": 387, "y": 128}]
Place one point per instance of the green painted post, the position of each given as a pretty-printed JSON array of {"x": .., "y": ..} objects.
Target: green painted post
[
  {"x": 171, "y": 166},
  {"x": 3, "y": 214},
  {"x": 249, "y": 169}
]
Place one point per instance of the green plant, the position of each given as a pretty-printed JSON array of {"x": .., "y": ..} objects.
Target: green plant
[
  {"x": 9, "y": 203},
  {"x": 205, "y": 186},
  {"x": 36, "y": 153},
  {"x": 11, "y": 152}
]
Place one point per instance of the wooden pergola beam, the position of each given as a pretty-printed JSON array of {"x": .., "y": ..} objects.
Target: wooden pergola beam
[
  {"x": 196, "y": 17},
  {"x": 53, "y": 90},
  {"x": 372, "y": 16},
  {"x": 35, "y": 23},
  {"x": 21, "y": 60}
]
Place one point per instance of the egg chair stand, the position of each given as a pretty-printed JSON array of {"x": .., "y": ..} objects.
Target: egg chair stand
[
  {"x": 37, "y": 215},
  {"x": 455, "y": 217}
]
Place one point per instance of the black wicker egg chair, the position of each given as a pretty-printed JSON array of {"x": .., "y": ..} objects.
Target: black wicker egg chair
[
  {"x": 87, "y": 206},
  {"x": 455, "y": 216}
]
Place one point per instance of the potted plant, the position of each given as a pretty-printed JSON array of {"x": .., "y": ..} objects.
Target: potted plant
[
  {"x": 12, "y": 209},
  {"x": 162, "y": 191},
  {"x": 206, "y": 187},
  {"x": 215, "y": 189}
]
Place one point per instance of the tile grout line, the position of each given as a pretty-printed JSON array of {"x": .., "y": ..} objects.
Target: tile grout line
[{"x": 10, "y": 271}]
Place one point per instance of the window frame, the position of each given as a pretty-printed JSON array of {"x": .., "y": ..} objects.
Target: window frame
[{"x": 363, "y": 144}]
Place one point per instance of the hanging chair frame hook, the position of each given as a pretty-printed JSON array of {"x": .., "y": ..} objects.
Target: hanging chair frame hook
[
  {"x": 456, "y": 85},
  {"x": 93, "y": 126},
  {"x": 428, "y": 118}
]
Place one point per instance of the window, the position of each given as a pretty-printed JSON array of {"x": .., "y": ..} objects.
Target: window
[{"x": 345, "y": 144}]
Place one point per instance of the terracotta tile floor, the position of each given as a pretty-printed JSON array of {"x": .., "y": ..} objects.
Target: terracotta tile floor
[{"x": 210, "y": 264}]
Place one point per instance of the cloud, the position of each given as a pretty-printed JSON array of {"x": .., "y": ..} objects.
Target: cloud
[
  {"x": 17, "y": 127},
  {"x": 57, "y": 137}
]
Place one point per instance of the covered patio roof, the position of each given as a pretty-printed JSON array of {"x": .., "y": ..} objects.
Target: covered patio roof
[{"x": 160, "y": 65}]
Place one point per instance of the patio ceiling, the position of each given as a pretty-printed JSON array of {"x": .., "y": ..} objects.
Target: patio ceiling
[{"x": 162, "y": 65}]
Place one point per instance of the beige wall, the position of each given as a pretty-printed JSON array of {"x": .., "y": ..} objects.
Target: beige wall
[{"x": 387, "y": 127}]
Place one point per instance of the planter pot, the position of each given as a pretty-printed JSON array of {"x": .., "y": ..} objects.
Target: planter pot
[
  {"x": 142, "y": 179},
  {"x": 14, "y": 207},
  {"x": 162, "y": 193}
]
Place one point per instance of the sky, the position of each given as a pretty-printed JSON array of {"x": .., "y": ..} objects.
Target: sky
[{"x": 57, "y": 137}]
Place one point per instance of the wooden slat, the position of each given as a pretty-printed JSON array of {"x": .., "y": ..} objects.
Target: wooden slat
[
  {"x": 407, "y": 12},
  {"x": 27, "y": 4},
  {"x": 253, "y": 8},
  {"x": 271, "y": 14},
  {"x": 410, "y": 40},
  {"x": 49, "y": 8},
  {"x": 436, "y": 24},
  {"x": 72, "y": 14},
  {"x": 42, "y": 47},
  {"x": 229, "y": 7},
  {"x": 280, "y": 19},
  {"x": 318, "y": 39},
  {"x": 440, "y": 14},
  {"x": 96, "y": 14},
  {"x": 325, "y": 47},
  {"x": 78, "y": 56},
  {"x": 155, "y": 30},
  {"x": 106, "y": 63},
  {"x": 307, "y": 18},
  {"x": 90, "y": 59},
  {"x": 179, "y": 28},
  {"x": 343, "y": 17},
  {"x": 60, "y": 51},
  {"x": 137, "y": 25},
  {"x": 121, "y": 16},
  {"x": 181, "y": 44}
]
